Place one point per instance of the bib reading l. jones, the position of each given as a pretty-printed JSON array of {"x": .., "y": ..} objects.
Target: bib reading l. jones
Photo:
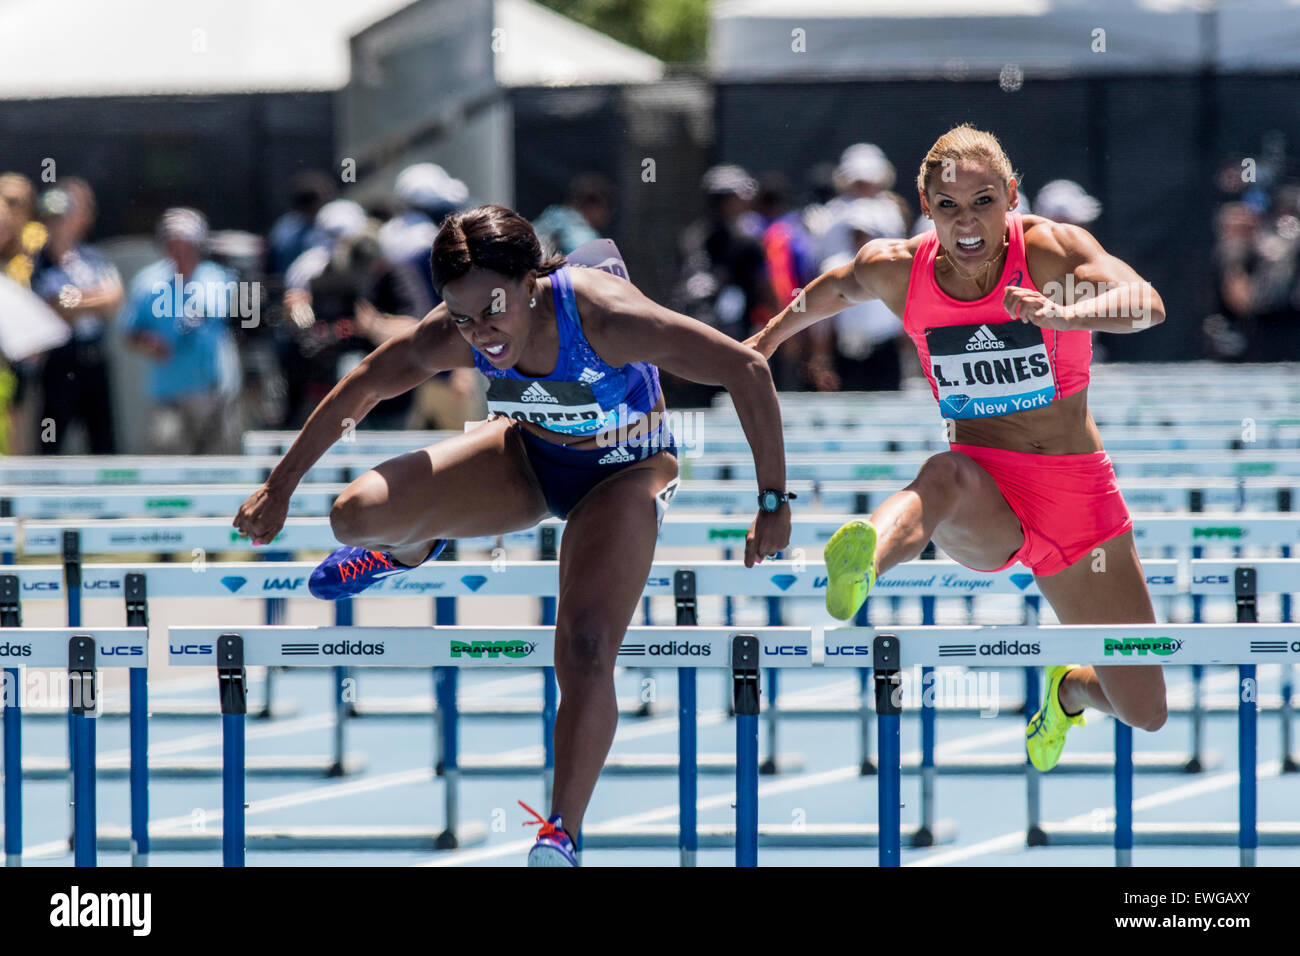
[{"x": 988, "y": 369}]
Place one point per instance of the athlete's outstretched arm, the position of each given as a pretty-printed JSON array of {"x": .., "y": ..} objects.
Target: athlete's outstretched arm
[
  {"x": 1093, "y": 290},
  {"x": 623, "y": 326},
  {"x": 832, "y": 291},
  {"x": 396, "y": 367}
]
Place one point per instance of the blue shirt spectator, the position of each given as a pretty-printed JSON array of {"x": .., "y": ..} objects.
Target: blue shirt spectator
[{"x": 189, "y": 320}]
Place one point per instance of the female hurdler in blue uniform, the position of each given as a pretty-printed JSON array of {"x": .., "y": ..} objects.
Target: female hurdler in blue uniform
[{"x": 571, "y": 356}]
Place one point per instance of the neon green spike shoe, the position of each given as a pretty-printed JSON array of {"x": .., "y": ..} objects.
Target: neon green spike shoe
[
  {"x": 850, "y": 568},
  {"x": 1045, "y": 735}
]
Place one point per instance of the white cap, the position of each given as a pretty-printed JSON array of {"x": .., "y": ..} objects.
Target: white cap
[
  {"x": 429, "y": 186},
  {"x": 865, "y": 163},
  {"x": 877, "y": 217},
  {"x": 185, "y": 224},
  {"x": 1066, "y": 200},
  {"x": 341, "y": 219}
]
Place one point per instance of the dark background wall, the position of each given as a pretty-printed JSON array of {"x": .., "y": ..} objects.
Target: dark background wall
[
  {"x": 231, "y": 156},
  {"x": 1146, "y": 146}
]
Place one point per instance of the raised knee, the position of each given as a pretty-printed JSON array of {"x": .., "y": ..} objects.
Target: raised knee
[
  {"x": 347, "y": 519},
  {"x": 1149, "y": 716},
  {"x": 946, "y": 470}
]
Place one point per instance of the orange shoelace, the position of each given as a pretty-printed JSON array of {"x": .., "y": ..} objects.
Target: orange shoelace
[
  {"x": 547, "y": 827},
  {"x": 352, "y": 567}
]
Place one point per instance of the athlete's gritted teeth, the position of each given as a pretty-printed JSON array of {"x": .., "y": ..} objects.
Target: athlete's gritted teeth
[
  {"x": 970, "y": 245},
  {"x": 495, "y": 351}
]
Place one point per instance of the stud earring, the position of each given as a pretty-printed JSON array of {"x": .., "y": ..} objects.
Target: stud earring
[{"x": 532, "y": 303}]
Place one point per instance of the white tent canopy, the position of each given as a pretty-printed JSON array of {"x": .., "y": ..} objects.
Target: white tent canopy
[
  {"x": 758, "y": 38},
  {"x": 54, "y": 48}
]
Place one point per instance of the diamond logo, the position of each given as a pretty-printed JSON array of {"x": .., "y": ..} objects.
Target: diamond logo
[
  {"x": 957, "y": 402},
  {"x": 783, "y": 581},
  {"x": 234, "y": 583},
  {"x": 1022, "y": 580},
  {"x": 473, "y": 581}
]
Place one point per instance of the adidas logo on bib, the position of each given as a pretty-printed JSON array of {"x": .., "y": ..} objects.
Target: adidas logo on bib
[
  {"x": 984, "y": 339},
  {"x": 617, "y": 456},
  {"x": 590, "y": 375},
  {"x": 535, "y": 393}
]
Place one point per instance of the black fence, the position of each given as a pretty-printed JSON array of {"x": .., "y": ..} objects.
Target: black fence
[
  {"x": 231, "y": 156},
  {"x": 1147, "y": 146}
]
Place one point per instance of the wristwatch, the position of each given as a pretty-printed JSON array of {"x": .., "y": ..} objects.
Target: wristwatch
[{"x": 770, "y": 500}]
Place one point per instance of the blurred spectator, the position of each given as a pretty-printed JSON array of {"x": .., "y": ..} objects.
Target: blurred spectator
[
  {"x": 1064, "y": 200},
  {"x": 1275, "y": 293},
  {"x": 178, "y": 314},
  {"x": 584, "y": 216},
  {"x": 23, "y": 237},
  {"x": 723, "y": 276},
  {"x": 863, "y": 172},
  {"x": 426, "y": 194},
  {"x": 1235, "y": 262},
  {"x": 865, "y": 352},
  {"x": 292, "y": 234},
  {"x": 356, "y": 302},
  {"x": 722, "y": 272},
  {"x": 84, "y": 288},
  {"x": 790, "y": 253}
]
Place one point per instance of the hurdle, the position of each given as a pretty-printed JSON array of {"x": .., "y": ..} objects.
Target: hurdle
[
  {"x": 83, "y": 651},
  {"x": 895, "y": 649},
  {"x": 741, "y": 653},
  {"x": 869, "y": 438},
  {"x": 904, "y": 466}
]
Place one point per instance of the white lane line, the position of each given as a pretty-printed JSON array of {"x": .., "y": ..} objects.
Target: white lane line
[
  {"x": 806, "y": 781},
  {"x": 1187, "y": 791}
]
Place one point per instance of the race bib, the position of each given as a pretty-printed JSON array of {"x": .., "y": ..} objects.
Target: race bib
[
  {"x": 568, "y": 407},
  {"x": 990, "y": 369}
]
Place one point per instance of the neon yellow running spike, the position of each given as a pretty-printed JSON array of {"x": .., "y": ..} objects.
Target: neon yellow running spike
[
  {"x": 1045, "y": 735},
  {"x": 850, "y": 568}
]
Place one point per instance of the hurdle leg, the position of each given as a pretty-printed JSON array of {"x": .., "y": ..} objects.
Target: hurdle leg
[
  {"x": 72, "y": 584},
  {"x": 275, "y": 612},
  {"x": 139, "y": 766},
  {"x": 768, "y": 765},
  {"x": 1194, "y": 763},
  {"x": 11, "y": 686},
  {"x": 82, "y": 706},
  {"x": 1288, "y": 672},
  {"x": 744, "y": 675},
  {"x": 865, "y": 766},
  {"x": 137, "y": 615},
  {"x": 687, "y": 767},
  {"x": 925, "y": 831},
  {"x": 550, "y": 703},
  {"x": 924, "y": 835},
  {"x": 232, "y": 682},
  {"x": 647, "y": 706},
  {"x": 1244, "y": 584},
  {"x": 1034, "y": 833},
  {"x": 1247, "y": 785},
  {"x": 337, "y": 768},
  {"x": 13, "y": 760},
  {"x": 1123, "y": 793},
  {"x": 889, "y": 708},
  {"x": 1288, "y": 689},
  {"x": 448, "y": 744}
]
